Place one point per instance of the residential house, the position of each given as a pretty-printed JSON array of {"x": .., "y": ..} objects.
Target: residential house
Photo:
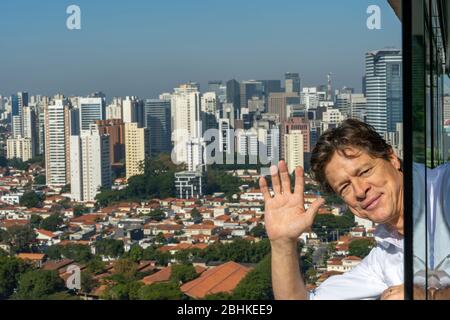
[
  {"x": 37, "y": 259},
  {"x": 221, "y": 279}
]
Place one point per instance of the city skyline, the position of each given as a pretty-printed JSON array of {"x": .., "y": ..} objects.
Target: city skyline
[{"x": 139, "y": 50}]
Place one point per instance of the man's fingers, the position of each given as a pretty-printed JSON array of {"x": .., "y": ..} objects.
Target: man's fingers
[
  {"x": 285, "y": 179},
  {"x": 275, "y": 179},
  {"x": 264, "y": 189},
  {"x": 314, "y": 208},
  {"x": 299, "y": 181}
]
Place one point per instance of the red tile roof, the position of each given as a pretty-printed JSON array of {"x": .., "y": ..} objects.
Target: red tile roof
[
  {"x": 56, "y": 264},
  {"x": 200, "y": 227},
  {"x": 223, "y": 278},
  {"x": 46, "y": 233},
  {"x": 31, "y": 256},
  {"x": 353, "y": 258},
  {"x": 10, "y": 223},
  {"x": 87, "y": 218},
  {"x": 164, "y": 275}
]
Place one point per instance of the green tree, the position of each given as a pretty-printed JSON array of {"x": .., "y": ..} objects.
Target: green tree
[
  {"x": 109, "y": 247},
  {"x": 160, "y": 291},
  {"x": 333, "y": 199},
  {"x": 160, "y": 238},
  {"x": 136, "y": 253},
  {"x": 11, "y": 269},
  {"x": 38, "y": 284},
  {"x": 53, "y": 252},
  {"x": 88, "y": 282},
  {"x": 152, "y": 253},
  {"x": 360, "y": 247},
  {"x": 259, "y": 231},
  {"x": 126, "y": 269},
  {"x": 40, "y": 180},
  {"x": 311, "y": 276},
  {"x": 123, "y": 291},
  {"x": 158, "y": 181},
  {"x": 157, "y": 215},
  {"x": 17, "y": 164},
  {"x": 96, "y": 266},
  {"x": 79, "y": 210},
  {"x": 35, "y": 221},
  {"x": 20, "y": 238},
  {"x": 182, "y": 256},
  {"x": 183, "y": 273},
  {"x": 219, "y": 181},
  {"x": 52, "y": 223},
  {"x": 77, "y": 252},
  {"x": 196, "y": 216},
  {"x": 257, "y": 284},
  {"x": 30, "y": 199}
]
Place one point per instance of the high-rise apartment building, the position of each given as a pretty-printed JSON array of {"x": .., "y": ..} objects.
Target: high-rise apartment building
[
  {"x": 186, "y": 119},
  {"x": 57, "y": 144},
  {"x": 19, "y": 148},
  {"x": 136, "y": 149},
  {"x": 90, "y": 164},
  {"x": 115, "y": 129},
  {"x": 294, "y": 152}
]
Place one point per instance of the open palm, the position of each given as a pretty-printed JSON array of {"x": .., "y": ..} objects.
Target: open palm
[{"x": 285, "y": 214}]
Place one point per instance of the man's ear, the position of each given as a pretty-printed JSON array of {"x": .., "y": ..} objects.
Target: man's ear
[{"x": 395, "y": 161}]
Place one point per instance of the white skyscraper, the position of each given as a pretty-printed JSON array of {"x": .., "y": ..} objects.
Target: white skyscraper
[
  {"x": 358, "y": 106},
  {"x": 89, "y": 163},
  {"x": 91, "y": 109},
  {"x": 29, "y": 127},
  {"x": 195, "y": 148},
  {"x": 57, "y": 144},
  {"x": 17, "y": 126},
  {"x": 310, "y": 98},
  {"x": 209, "y": 102},
  {"x": 132, "y": 111},
  {"x": 186, "y": 119},
  {"x": 114, "y": 110},
  {"x": 331, "y": 118},
  {"x": 247, "y": 142},
  {"x": 384, "y": 89}
]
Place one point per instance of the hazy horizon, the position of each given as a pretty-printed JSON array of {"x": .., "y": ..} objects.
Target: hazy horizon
[{"x": 145, "y": 49}]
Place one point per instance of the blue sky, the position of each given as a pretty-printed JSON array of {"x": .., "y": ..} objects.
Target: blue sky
[{"x": 145, "y": 47}]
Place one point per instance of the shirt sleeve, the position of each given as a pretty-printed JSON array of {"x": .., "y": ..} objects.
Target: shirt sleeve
[{"x": 364, "y": 282}]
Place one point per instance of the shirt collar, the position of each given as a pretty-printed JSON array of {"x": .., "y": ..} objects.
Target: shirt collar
[{"x": 384, "y": 236}]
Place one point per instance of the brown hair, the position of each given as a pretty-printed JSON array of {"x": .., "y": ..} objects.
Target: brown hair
[{"x": 351, "y": 133}]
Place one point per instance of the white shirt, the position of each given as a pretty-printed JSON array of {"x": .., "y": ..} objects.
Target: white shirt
[{"x": 381, "y": 269}]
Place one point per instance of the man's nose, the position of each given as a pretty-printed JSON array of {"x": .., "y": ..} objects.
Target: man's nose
[{"x": 360, "y": 188}]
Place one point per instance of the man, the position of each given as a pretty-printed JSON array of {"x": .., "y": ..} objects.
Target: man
[{"x": 354, "y": 162}]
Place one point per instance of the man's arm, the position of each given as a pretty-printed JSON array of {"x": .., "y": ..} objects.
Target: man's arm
[
  {"x": 286, "y": 219},
  {"x": 287, "y": 281}
]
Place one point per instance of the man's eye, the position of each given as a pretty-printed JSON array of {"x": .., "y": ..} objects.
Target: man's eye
[
  {"x": 366, "y": 171},
  {"x": 344, "y": 188}
]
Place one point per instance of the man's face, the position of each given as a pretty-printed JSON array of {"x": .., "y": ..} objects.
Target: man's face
[{"x": 371, "y": 187}]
